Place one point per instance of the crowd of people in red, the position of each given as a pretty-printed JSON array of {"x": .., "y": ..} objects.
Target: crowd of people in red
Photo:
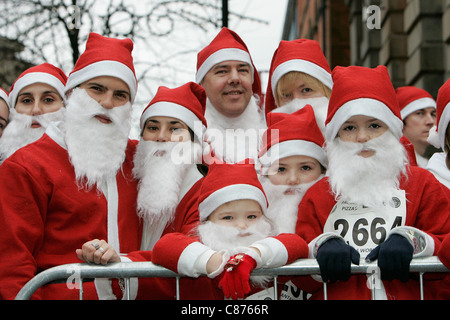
[{"x": 333, "y": 165}]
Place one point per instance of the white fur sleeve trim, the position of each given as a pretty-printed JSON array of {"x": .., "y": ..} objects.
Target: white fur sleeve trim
[
  {"x": 134, "y": 282},
  {"x": 422, "y": 242},
  {"x": 273, "y": 253},
  {"x": 193, "y": 259},
  {"x": 225, "y": 257},
  {"x": 315, "y": 244}
]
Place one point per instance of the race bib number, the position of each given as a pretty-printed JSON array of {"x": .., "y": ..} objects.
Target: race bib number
[{"x": 365, "y": 228}]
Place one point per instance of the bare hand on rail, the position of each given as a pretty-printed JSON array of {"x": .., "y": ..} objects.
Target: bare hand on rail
[{"x": 97, "y": 251}]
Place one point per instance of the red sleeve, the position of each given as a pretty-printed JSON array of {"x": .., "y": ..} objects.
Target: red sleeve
[
  {"x": 444, "y": 251},
  {"x": 428, "y": 206},
  {"x": 409, "y": 147},
  {"x": 169, "y": 248},
  {"x": 23, "y": 205},
  {"x": 313, "y": 210},
  {"x": 296, "y": 247}
]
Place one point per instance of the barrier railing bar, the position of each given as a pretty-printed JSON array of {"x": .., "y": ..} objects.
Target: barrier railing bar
[
  {"x": 81, "y": 289},
  {"x": 421, "y": 286},
  {"x": 178, "y": 287},
  {"x": 275, "y": 288},
  {"x": 149, "y": 270}
]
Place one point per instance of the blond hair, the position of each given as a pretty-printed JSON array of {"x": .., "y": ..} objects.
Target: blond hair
[{"x": 288, "y": 81}]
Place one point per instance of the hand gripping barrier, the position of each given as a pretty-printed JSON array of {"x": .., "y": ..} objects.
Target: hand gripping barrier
[{"x": 127, "y": 270}]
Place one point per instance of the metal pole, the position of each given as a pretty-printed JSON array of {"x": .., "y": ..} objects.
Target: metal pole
[{"x": 225, "y": 13}]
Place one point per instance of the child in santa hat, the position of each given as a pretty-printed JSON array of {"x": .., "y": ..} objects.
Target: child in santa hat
[
  {"x": 233, "y": 88},
  {"x": 370, "y": 204},
  {"x": 292, "y": 159},
  {"x": 418, "y": 111},
  {"x": 439, "y": 163},
  {"x": 36, "y": 98},
  {"x": 299, "y": 75},
  {"x": 4, "y": 110},
  {"x": 234, "y": 237}
]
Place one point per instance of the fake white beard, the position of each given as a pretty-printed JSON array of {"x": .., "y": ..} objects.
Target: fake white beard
[
  {"x": 19, "y": 133},
  {"x": 235, "y": 139},
  {"x": 96, "y": 150},
  {"x": 219, "y": 237},
  {"x": 161, "y": 170},
  {"x": 319, "y": 105},
  {"x": 366, "y": 181},
  {"x": 251, "y": 118},
  {"x": 283, "y": 208}
]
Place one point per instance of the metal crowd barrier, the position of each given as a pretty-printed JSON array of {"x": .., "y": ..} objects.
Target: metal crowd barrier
[{"x": 127, "y": 270}]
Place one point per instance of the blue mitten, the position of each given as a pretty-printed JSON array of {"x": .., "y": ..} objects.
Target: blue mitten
[
  {"x": 335, "y": 257},
  {"x": 394, "y": 256}
]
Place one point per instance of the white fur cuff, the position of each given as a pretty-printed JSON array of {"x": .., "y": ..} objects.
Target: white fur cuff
[{"x": 422, "y": 243}]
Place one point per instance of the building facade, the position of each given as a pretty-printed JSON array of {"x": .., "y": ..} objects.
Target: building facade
[{"x": 410, "y": 37}]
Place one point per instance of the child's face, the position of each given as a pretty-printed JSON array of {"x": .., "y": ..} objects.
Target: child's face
[
  {"x": 165, "y": 129},
  {"x": 360, "y": 129},
  {"x": 294, "y": 170},
  {"x": 239, "y": 214}
]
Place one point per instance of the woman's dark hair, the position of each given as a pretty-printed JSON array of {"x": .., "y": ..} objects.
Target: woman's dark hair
[{"x": 202, "y": 168}]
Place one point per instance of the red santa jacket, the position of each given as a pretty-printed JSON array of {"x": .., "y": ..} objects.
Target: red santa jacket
[
  {"x": 186, "y": 216},
  {"x": 174, "y": 247},
  {"x": 45, "y": 217},
  {"x": 444, "y": 256},
  {"x": 427, "y": 209}
]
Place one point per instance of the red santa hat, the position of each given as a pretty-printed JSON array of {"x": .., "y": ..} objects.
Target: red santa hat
[
  {"x": 362, "y": 91},
  {"x": 105, "y": 57},
  {"x": 226, "y": 46},
  {"x": 43, "y": 73},
  {"x": 411, "y": 99},
  {"x": 229, "y": 182},
  {"x": 442, "y": 114},
  {"x": 186, "y": 103},
  {"x": 292, "y": 135},
  {"x": 4, "y": 96},
  {"x": 302, "y": 55}
]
